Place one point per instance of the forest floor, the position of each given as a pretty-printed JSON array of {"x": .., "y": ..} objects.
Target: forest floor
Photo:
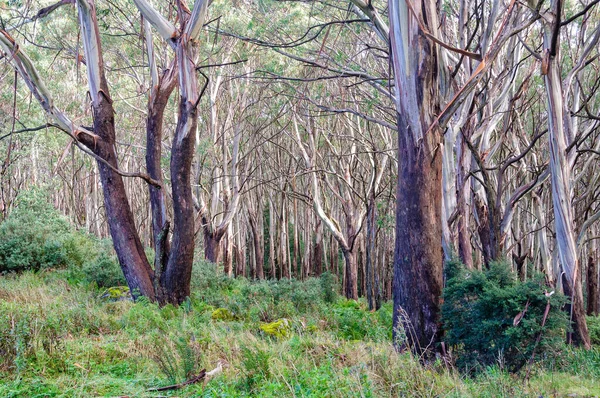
[{"x": 61, "y": 337}]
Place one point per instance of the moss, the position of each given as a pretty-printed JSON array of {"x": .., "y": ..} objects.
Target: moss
[
  {"x": 116, "y": 293},
  {"x": 222, "y": 314},
  {"x": 280, "y": 329}
]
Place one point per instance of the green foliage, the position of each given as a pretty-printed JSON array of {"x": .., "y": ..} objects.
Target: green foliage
[
  {"x": 255, "y": 363},
  {"x": 354, "y": 322},
  {"x": 117, "y": 293},
  {"x": 176, "y": 356},
  {"x": 104, "y": 271},
  {"x": 328, "y": 287},
  {"x": 34, "y": 236},
  {"x": 593, "y": 323},
  {"x": 479, "y": 315},
  {"x": 263, "y": 301},
  {"x": 63, "y": 339}
]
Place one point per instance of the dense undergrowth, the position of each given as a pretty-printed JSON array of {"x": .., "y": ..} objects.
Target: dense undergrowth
[
  {"x": 67, "y": 329},
  {"x": 60, "y": 336}
]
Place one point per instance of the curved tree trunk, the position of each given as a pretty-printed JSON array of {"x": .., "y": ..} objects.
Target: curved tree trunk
[
  {"x": 130, "y": 251},
  {"x": 157, "y": 103},
  {"x": 126, "y": 240},
  {"x": 177, "y": 276}
]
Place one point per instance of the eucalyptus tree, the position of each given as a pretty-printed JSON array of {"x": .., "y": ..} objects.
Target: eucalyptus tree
[
  {"x": 563, "y": 131},
  {"x": 219, "y": 198},
  {"x": 426, "y": 100},
  {"x": 171, "y": 283},
  {"x": 350, "y": 179}
]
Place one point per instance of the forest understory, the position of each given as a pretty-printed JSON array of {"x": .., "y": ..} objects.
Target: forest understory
[
  {"x": 299, "y": 198},
  {"x": 70, "y": 339}
]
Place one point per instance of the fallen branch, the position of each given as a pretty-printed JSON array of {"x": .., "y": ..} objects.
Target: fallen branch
[
  {"x": 203, "y": 375},
  {"x": 193, "y": 380}
]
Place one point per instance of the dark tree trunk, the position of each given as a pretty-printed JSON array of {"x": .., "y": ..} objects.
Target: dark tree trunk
[
  {"x": 418, "y": 257},
  {"x": 130, "y": 251},
  {"x": 465, "y": 250},
  {"x": 488, "y": 230},
  {"x": 240, "y": 261},
  {"x": 520, "y": 263},
  {"x": 177, "y": 276},
  {"x": 318, "y": 258},
  {"x": 157, "y": 103},
  {"x": 284, "y": 244},
  {"x": 350, "y": 275},
  {"x": 370, "y": 249},
  {"x": 593, "y": 306},
  {"x": 360, "y": 273},
  {"x": 259, "y": 250},
  {"x": 213, "y": 250}
]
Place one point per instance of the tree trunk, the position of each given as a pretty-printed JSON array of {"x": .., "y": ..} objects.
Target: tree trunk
[
  {"x": 318, "y": 250},
  {"x": 177, "y": 277},
  {"x": 561, "y": 175},
  {"x": 350, "y": 275},
  {"x": 212, "y": 247},
  {"x": 157, "y": 103},
  {"x": 272, "y": 231},
  {"x": 418, "y": 255},
  {"x": 593, "y": 306},
  {"x": 126, "y": 241},
  {"x": 259, "y": 250},
  {"x": 333, "y": 257},
  {"x": 576, "y": 308},
  {"x": 284, "y": 244},
  {"x": 370, "y": 249},
  {"x": 240, "y": 253},
  {"x": 465, "y": 250}
]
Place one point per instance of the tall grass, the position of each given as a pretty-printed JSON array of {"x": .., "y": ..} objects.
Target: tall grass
[{"x": 60, "y": 338}]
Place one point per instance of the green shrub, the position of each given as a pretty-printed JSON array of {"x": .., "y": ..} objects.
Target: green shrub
[
  {"x": 479, "y": 314},
  {"x": 255, "y": 366},
  {"x": 593, "y": 323},
  {"x": 104, "y": 270},
  {"x": 222, "y": 314},
  {"x": 328, "y": 287},
  {"x": 33, "y": 236},
  {"x": 355, "y": 322}
]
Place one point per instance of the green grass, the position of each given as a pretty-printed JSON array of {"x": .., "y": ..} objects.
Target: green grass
[{"x": 61, "y": 339}]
